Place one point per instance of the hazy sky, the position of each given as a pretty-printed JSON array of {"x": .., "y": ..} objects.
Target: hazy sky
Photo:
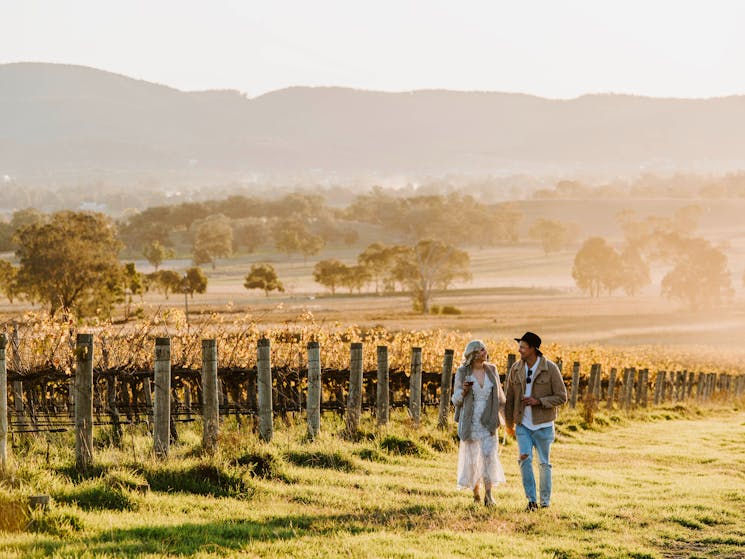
[{"x": 553, "y": 48}]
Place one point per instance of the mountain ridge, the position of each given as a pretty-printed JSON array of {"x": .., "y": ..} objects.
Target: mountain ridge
[{"x": 57, "y": 118}]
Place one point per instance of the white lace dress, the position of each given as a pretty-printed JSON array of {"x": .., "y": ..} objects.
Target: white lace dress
[{"x": 478, "y": 458}]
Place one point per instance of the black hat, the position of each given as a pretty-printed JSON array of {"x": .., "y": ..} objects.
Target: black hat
[{"x": 533, "y": 340}]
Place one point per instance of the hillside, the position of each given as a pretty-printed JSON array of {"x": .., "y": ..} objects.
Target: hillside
[{"x": 78, "y": 120}]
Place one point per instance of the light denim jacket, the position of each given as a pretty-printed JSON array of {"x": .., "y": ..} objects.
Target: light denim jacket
[{"x": 464, "y": 406}]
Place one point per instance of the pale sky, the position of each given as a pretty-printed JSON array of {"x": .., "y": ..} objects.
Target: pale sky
[{"x": 550, "y": 48}]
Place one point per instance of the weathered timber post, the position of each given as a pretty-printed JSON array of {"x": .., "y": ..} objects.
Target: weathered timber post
[
  {"x": 415, "y": 385},
  {"x": 700, "y": 386},
  {"x": 575, "y": 385},
  {"x": 382, "y": 394},
  {"x": 628, "y": 386},
  {"x": 446, "y": 381},
  {"x": 644, "y": 387},
  {"x": 18, "y": 407},
  {"x": 264, "y": 381},
  {"x": 659, "y": 388},
  {"x": 313, "y": 405},
  {"x": 639, "y": 388},
  {"x": 597, "y": 387},
  {"x": 354, "y": 400},
  {"x": 84, "y": 402},
  {"x": 670, "y": 384},
  {"x": 162, "y": 402},
  {"x": 611, "y": 387},
  {"x": 691, "y": 382},
  {"x": 3, "y": 406},
  {"x": 211, "y": 406}
]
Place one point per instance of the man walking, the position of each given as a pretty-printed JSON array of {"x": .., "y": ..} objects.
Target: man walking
[{"x": 534, "y": 389}]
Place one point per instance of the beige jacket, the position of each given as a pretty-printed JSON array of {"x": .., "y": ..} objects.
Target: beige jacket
[
  {"x": 548, "y": 387},
  {"x": 464, "y": 405}
]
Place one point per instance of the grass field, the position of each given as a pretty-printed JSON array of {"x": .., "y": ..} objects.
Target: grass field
[{"x": 661, "y": 484}]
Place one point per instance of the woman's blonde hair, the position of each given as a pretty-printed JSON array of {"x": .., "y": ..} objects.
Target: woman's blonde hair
[{"x": 473, "y": 347}]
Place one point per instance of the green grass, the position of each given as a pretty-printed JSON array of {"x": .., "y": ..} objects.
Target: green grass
[{"x": 642, "y": 485}]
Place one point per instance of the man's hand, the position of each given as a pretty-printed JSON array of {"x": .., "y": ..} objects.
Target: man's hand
[
  {"x": 510, "y": 431},
  {"x": 530, "y": 401}
]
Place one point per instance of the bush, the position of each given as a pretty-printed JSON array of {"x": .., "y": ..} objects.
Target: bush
[
  {"x": 319, "y": 459},
  {"x": 95, "y": 494},
  {"x": 265, "y": 465},
  {"x": 55, "y": 523},
  {"x": 200, "y": 479},
  {"x": 448, "y": 309},
  {"x": 401, "y": 446}
]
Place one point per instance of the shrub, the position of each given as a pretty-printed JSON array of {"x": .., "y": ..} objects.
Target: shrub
[
  {"x": 319, "y": 459},
  {"x": 401, "y": 446},
  {"x": 265, "y": 465},
  {"x": 55, "y": 523},
  {"x": 200, "y": 479},
  {"x": 448, "y": 309},
  {"x": 94, "y": 494}
]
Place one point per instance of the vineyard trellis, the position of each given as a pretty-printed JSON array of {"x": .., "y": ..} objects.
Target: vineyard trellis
[{"x": 281, "y": 374}]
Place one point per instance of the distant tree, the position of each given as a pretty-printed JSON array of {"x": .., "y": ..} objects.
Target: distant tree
[
  {"x": 597, "y": 266},
  {"x": 250, "y": 235},
  {"x": 165, "y": 281},
  {"x": 8, "y": 274},
  {"x": 263, "y": 276},
  {"x": 634, "y": 271},
  {"x": 25, "y": 217},
  {"x": 69, "y": 262},
  {"x": 156, "y": 253},
  {"x": 700, "y": 277},
  {"x": 292, "y": 236},
  {"x": 431, "y": 265},
  {"x": 147, "y": 227},
  {"x": 378, "y": 259},
  {"x": 553, "y": 235},
  {"x": 330, "y": 273},
  {"x": 133, "y": 284},
  {"x": 6, "y": 237},
  {"x": 193, "y": 281},
  {"x": 311, "y": 245},
  {"x": 355, "y": 278},
  {"x": 213, "y": 239}
]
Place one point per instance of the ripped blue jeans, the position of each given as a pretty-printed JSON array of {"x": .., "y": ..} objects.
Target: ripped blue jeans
[{"x": 541, "y": 439}]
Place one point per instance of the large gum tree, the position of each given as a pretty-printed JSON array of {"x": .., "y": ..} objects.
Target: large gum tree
[{"x": 69, "y": 262}]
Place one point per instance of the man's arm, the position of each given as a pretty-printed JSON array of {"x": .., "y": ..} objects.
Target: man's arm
[{"x": 558, "y": 395}]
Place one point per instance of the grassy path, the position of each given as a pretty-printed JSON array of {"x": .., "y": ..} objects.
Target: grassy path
[{"x": 666, "y": 489}]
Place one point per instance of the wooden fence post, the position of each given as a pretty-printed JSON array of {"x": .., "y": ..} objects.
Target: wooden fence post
[
  {"x": 3, "y": 406},
  {"x": 354, "y": 400},
  {"x": 575, "y": 384},
  {"x": 264, "y": 370},
  {"x": 382, "y": 399},
  {"x": 17, "y": 388},
  {"x": 644, "y": 387},
  {"x": 700, "y": 386},
  {"x": 611, "y": 387},
  {"x": 639, "y": 388},
  {"x": 162, "y": 401},
  {"x": 670, "y": 384},
  {"x": 445, "y": 381},
  {"x": 628, "y": 385},
  {"x": 415, "y": 385},
  {"x": 313, "y": 405},
  {"x": 84, "y": 402},
  {"x": 211, "y": 406}
]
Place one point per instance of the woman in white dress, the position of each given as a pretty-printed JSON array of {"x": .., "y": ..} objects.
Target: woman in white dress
[{"x": 479, "y": 403}]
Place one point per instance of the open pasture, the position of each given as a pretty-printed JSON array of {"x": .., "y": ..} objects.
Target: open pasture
[{"x": 661, "y": 484}]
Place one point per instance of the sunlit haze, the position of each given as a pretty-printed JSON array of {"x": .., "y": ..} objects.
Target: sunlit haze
[{"x": 550, "y": 49}]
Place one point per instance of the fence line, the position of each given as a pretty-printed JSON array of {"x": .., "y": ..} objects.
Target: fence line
[{"x": 54, "y": 402}]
